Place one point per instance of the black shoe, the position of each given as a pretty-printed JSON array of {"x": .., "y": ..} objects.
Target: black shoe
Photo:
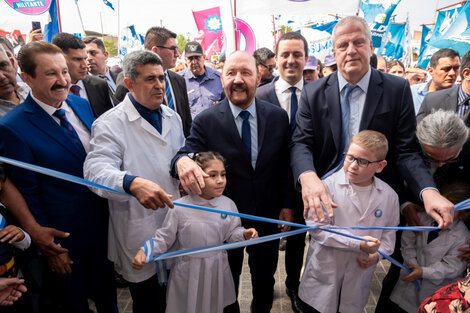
[
  {"x": 295, "y": 301},
  {"x": 282, "y": 244}
]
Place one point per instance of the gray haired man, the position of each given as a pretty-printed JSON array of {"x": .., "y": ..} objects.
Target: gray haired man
[{"x": 130, "y": 150}]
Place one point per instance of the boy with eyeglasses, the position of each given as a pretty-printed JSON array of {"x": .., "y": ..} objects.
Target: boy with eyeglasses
[{"x": 339, "y": 269}]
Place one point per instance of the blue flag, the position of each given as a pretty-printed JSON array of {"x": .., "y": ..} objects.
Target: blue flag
[
  {"x": 109, "y": 4},
  {"x": 52, "y": 27},
  {"x": 380, "y": 25},
  {"x": 444, "y": 20},
  {"x": 426, "y": 34},
  {"x": 328, "y": 27},
  {"x": 392, "y": 46},
  {"x": 371, "y": 11},
  {"x": 457, "y": 35}
]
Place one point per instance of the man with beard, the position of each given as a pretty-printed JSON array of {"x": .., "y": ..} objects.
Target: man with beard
[
  {"x": 253, "y": 136},
  {"x": 202, "y": 82}
]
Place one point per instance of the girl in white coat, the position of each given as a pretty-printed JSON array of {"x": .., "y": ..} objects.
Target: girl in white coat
[{"x": 202, "y": 282}]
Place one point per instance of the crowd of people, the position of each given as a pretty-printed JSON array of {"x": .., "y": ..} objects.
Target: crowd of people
[{"x": 343, "y": 141}]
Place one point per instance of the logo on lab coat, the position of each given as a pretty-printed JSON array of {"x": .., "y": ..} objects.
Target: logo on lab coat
[{"x": 378, "y": 213}]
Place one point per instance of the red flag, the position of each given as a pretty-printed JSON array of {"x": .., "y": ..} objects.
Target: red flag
[{"x": 209, "y": 22}]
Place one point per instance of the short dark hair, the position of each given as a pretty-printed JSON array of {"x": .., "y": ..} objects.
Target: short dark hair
[
  {"x": 442, "y": 53},
  {"x": 139, "y": 58},
  {"x": 293, "y": 35},
  {"x": 202, "y": 158},
  {"x": 261, "y": 55},
  {"x": 157, "y": 36},
  {"x": 98, "y": 42},
  {"x": 66, "y": 41},
  {"x": 4, "y": 41},
  {"x": 27, "y": 54},
  {"x": 373, "y": 60},
  {"x": 465, "y": 63}
]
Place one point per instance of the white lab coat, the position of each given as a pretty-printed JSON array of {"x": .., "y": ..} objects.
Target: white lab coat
[
  {"x": 332, "y": 265},
  {"x": 200, "y": 283},
  {"x": 123, "y": 142},
  {"x": 439, "y": 261}
]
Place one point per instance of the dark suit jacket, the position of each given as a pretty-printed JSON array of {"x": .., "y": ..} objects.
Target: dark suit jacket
[
  {"x": 181, "y": 97},
  {"x": 267, "y": 92},
  {"x": 388, "y": 109},
  {"x": 114, "y": 75},
  {"x": 446, "y": 99},
  {"x": 97, "y": 91},
  {"x": 29, "y": 134},
  {"x": 262, "y": 191}
]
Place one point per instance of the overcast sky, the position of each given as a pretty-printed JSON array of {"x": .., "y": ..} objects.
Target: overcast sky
[{"x": 176, "y": 14}]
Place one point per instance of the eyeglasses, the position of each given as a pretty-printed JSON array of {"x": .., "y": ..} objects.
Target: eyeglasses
[
  {"x": 269, "y": 67},
  {"x": 361, "y": 162},
  {"x": 173, "y": 48},
  {"x": 431, "y": 160}
]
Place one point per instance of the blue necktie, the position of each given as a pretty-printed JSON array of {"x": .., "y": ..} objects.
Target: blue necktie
[
  {"x": 68, "y": 128},
  {"x": 246, "y": 131},
  {"x": 169, "y": 97},
  {"x": 156, "y": 119},
  {"x": 293, "y": 106},
  {"x": 345, "y": 115}
]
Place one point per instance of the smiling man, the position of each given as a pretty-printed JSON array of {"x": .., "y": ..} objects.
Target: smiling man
[
  {"x": 131, "y": 149},
  {"x": 203, "y": 83},
  {"x": 90, "y": 88},
  {"x": 52, "y": 129}
]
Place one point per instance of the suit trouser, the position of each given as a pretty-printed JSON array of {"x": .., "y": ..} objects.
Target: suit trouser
[
  {"x": 295, "y": 246},
  {"x": 262, "y": 259},
  {"x": 148, "y": 296}
]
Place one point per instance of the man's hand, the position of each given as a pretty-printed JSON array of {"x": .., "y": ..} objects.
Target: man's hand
[
  {"x": 43, "y": 238},
  {"x": 288, "y": 216},
  {"x": 465, "y": 256},
  {"x": 191, "y": 175},
  {"x": 11, "y": 234},
  {"x": 35, "y": 35},
  {"x": 60, "y": 263},
  {"x": 314, "y": 194},
  {"x": 411, "y": 215},
  {"x": 11, "y": 290},
  {"x": 416, "y": 274},
  {"x": 368, "y": 261},
  {"x": 438, "y": 207},
  {"x": 370, "y": 246},
  {"x": 149, "y": 194}
]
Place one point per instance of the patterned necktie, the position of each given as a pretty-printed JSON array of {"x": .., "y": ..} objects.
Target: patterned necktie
[
  {"x": 156, "y": 119},
  {"x": 75, "y": 90},
  {"x": 169, "y": 97},
  {"x": 246, "y": 131},
  {"x": 293, "y": 106},
  {"x": 68, "y": 128}
]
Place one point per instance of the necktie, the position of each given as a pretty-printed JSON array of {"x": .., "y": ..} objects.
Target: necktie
[
  {"x": 75, "y": 90},
  {"x": 293, "y": 106},
  {"x": 246, "y": 131},
  {"x": 156, "y": 119},
  {"x": 433, "y": 234},
  {"x": 345, "y": 128},
  {"x": 67, "y": 127},
  {"x": 169, "y": 97}
]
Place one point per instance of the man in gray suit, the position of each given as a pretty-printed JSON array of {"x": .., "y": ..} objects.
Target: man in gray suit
[{"x": 88, "y": 87}]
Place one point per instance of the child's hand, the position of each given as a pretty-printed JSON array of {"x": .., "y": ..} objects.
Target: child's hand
[
  {"x": 250, "y": 233},
  {"x": 416, "y": 274},
  {"x": 371, "y": 245},
  {"x": 139, "y": 260},
  {"x": 368, "y": 261},
  {"x": 11, "y": 234}
]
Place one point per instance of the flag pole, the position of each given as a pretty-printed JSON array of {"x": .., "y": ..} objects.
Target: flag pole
[
  {"x": 79, "y": 16},
  {"x": 119, "y": 27},
  {"x": 58, "y": 15},
  {"x": 235, "y": 24}
]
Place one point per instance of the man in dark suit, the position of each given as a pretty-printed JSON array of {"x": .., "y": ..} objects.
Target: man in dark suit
[
  {"x": 52, "y": 130},
  {"x": 284, "y": 91},
  {"x": 335, "y": 108},
  {"x": 93, "y": 89},
  {"x": 253, "y": 136},
  {"x": 96, "y": 61}
]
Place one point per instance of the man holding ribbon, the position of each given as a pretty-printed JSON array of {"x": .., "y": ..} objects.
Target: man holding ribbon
[{"x": 130, "y": 151}]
